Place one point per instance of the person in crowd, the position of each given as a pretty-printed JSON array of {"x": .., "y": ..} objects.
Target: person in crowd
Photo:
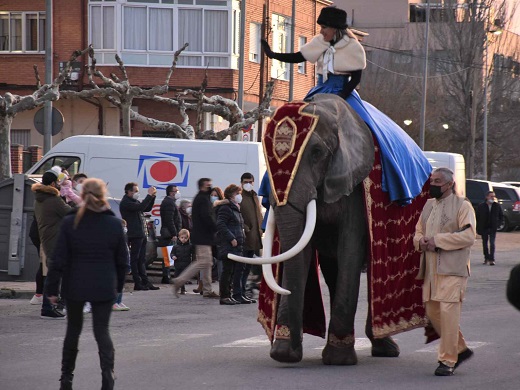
[
  {"x": 216, "y": 196},
  {"x": 119, "y": 305},
  {"x": 182, "y": 254},
  {"x": 170, "y": 226},
  {"x": 91, "y": 258},
  {"x": 185, "y": 212},
  {"x": 132, "y": 212},
  {"x": 202, "y": 235},
  {"x": 77, "y": 182},
  {"x": 513, "y": 287},
  {"x": 37, "y": 298},
  {"x": 444, "y": 234},
  {"x": 49, "y": 210},
  {"x": 252, "y": 214},
  {"x": 230, "y": 233},
  {"x": 489, "y": 218}
]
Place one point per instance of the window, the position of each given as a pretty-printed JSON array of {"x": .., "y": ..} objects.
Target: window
[
  {"x": 151, "y": 30},
  {"x": 255, "y": 33},
  {"x": 70, "y": 163},
  {"x": 403, "y": 57},
  {"x": 438, "y": 12},
  {"x": 22, "y": 32},
  {"x": 281, "y": 34},
  {"x": 302, "y": 65}
]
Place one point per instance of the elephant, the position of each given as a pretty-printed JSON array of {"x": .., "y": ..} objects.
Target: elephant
[{"x": 324, "y": 212}]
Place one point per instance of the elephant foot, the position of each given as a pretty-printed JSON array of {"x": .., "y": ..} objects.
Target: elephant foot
[
  {"x": 282, "y": 352},
  {"x": 385, "y": 347},
  {"x": 339, "y": 356}
]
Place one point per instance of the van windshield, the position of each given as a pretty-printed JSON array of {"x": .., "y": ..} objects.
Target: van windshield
[{"x": 71, "y": 164}]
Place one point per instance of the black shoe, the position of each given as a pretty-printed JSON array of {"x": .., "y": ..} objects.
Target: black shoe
[
  {"x": 444, "y": 370},
  {"x": 491, "y": 262},
  {"x": 140, "y": 287},
  {"x": 227, "y": 301},
  {"x": 150, "y": 286},
  {"x": 165, "y": 281},
  {"x": 52, "y": 314},
  {"x": 485, "y": 262},
  {"x": 243, "y": 301},
  {"x": 249, "y": 299},
  {"x": 463, "y": 356}
]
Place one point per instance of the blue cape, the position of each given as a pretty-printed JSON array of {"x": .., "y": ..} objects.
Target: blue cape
[{"x": 405, "y": 167}]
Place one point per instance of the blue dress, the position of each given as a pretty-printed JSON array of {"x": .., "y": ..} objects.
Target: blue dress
[{"x": 405, "y": 167}]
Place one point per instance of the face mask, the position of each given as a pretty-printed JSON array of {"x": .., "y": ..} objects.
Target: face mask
[
  {"x": 79, "y": 187},
  {"x": 436, "y": 191},
  {"x": 248, "y": 187},
  {"x": 238, "y": 198},
  {"x": 177, "y": 195},
  {"x": 214, "y": 199},
  {"x": 188, "y": 210},
  {"x": 135, "y": 195},
  {"x": 491, "y": 201}
]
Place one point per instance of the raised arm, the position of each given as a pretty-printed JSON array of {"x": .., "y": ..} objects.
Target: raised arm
[{"x": 291, "y": 58}]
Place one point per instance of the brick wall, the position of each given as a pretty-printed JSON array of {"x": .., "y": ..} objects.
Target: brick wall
[
  {"x": 36, "y": 153},
  {"x": 16, "y": 158}
]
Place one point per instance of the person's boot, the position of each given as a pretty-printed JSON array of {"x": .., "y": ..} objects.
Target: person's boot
[
  {"x": 68, "y": 363},
  {"x": 107, "y": 370},
  {"x": 198, "y": 290}
]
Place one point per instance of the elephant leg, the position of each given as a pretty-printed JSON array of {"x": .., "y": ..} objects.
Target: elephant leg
[
  {"x": 351, "y": 255},
  {"x": 383, "y": 347}
]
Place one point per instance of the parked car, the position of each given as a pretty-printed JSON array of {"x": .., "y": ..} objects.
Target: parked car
[
  {"x": 507, "y": 196},
  {"x": 151, "y": 243},
  {"x": 512, "y": 183}
]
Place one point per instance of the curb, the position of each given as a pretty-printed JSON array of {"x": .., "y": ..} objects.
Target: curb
[{"x": 7, "y": 293}]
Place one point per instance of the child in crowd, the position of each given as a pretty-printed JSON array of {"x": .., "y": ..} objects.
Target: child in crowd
[
  {"x": 182, "y": 254},
  {"x": 119, "y": 305}
]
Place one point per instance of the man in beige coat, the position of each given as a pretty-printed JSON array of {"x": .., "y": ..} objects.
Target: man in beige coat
[{"x": 445, "y": 233}]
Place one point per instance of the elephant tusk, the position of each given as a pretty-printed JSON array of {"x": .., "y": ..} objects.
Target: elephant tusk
[
  {"x": 267, "y": 269},
  {"x": 310, "y": 224}
]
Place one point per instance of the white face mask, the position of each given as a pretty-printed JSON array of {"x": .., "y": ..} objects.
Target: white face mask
[
  {"x": 79, "y": 187},
  {"x": 177, "y": 195},
  {"x": 214, "y": 199},
  {"x": 491, "y": 201},
  {"x": 248, "y": 187},
  {"x": 135, "y": 195},
  {"x": 238, "y": 198},
  {"x": 188, "y": 210}
]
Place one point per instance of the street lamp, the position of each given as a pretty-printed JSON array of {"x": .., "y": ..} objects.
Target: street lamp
[{"x": 495, "y": 31}]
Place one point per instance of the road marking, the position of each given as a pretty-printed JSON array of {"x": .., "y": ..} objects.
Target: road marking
[
  {"x": 361, "y": 344},
  {"x": 471, "y": 344},
  {"x": 160, "y": 342},
  {"x": 252, "y": 342}
]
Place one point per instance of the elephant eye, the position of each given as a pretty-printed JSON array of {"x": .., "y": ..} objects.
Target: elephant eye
[{"x": 316, "y": 153}]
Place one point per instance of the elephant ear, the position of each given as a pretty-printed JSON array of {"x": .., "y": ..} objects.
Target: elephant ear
[{"x": 353, "y": 158}]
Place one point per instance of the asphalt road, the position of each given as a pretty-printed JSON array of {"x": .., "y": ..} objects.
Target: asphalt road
[{"x": 194, "y": 343}]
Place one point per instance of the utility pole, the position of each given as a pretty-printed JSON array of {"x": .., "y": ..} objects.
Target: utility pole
[
  {"x": 291, "y": 66},
  {"x": 263, "y": 63},
  {"x": 422, "y": 130},
  {"x": 47, "y": 113},
  {"x": 485, "y": 130},
  {"x": 241, "y": 54}
]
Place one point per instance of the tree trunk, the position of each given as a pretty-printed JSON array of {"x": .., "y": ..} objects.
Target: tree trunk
[
  {"x": 125, "y": 117},
  {"x": 5, "y": 146}
]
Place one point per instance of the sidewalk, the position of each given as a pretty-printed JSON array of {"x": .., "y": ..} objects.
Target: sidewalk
[{"x": 17, "y": 290}]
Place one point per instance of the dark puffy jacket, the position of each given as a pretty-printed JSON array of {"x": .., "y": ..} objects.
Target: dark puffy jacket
[
  {"x": 91, "y": 259},
  {"x": 49, "y": 211},
  {"x": 132, "y": 212},
  {"x": 183, "y": 252},
  {"x": 487, "y": 219},
  {"x": 203, "y": 219},
  {"x": 170, "y": 220},
  {"x": 230, "y": 226}
]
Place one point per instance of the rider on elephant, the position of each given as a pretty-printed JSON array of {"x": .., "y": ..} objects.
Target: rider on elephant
[{"x": 340, "y": 59}]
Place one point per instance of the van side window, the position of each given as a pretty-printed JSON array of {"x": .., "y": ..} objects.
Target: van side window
[
  {"x": 502, "y": 194},
  {"x": 71, "y": 164}
]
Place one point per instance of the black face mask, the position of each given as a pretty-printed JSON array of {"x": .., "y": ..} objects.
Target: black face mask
[{"x": 436, "y": 191}]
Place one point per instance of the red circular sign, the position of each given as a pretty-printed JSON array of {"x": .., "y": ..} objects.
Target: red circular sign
[{"x": 163, "y": 171}]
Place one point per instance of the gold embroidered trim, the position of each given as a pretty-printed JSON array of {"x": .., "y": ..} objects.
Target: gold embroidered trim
[
  {"x": 283, "y": 332},
  {"x": 347, "y": 341}
]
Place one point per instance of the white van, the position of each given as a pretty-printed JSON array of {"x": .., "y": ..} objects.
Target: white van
[
  {"x": 455, "y": 162},
  {"x": 155, "y": 162}
]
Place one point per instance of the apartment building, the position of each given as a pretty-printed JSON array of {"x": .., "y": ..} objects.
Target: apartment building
[{"x": 145, "y": 33}]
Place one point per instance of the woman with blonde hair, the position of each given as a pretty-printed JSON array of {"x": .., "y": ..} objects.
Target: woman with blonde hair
[{"x": 91, "y": 257}]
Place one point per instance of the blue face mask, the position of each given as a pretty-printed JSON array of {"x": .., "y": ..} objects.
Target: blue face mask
[{"x": 214, "y": 199}]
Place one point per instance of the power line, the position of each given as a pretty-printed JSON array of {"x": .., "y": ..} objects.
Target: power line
[{"x": 416, "y": 77}]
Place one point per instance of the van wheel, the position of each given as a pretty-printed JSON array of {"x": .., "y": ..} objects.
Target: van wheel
[{"x": 504, "y": 226}]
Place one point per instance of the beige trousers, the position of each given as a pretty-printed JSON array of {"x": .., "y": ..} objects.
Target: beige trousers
[
  {"x": 203, "y": 263},
  {"x": 445, "y": 318}
]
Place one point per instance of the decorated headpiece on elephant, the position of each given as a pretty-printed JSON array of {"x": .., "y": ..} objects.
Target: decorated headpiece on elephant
[{"x": 327, "y": 205}]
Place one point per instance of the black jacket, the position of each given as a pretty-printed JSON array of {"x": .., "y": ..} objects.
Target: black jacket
[
  {"x": 170, "y": 219},
  {"x": 230, "y": 226},
  {"x": 132, "y": 212},
  {"x": 91, "y": 259},
  {"x": 203, "y": 219},
  {"x": 489, "y": 220},
  {"x": 183, "y": 252}
]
